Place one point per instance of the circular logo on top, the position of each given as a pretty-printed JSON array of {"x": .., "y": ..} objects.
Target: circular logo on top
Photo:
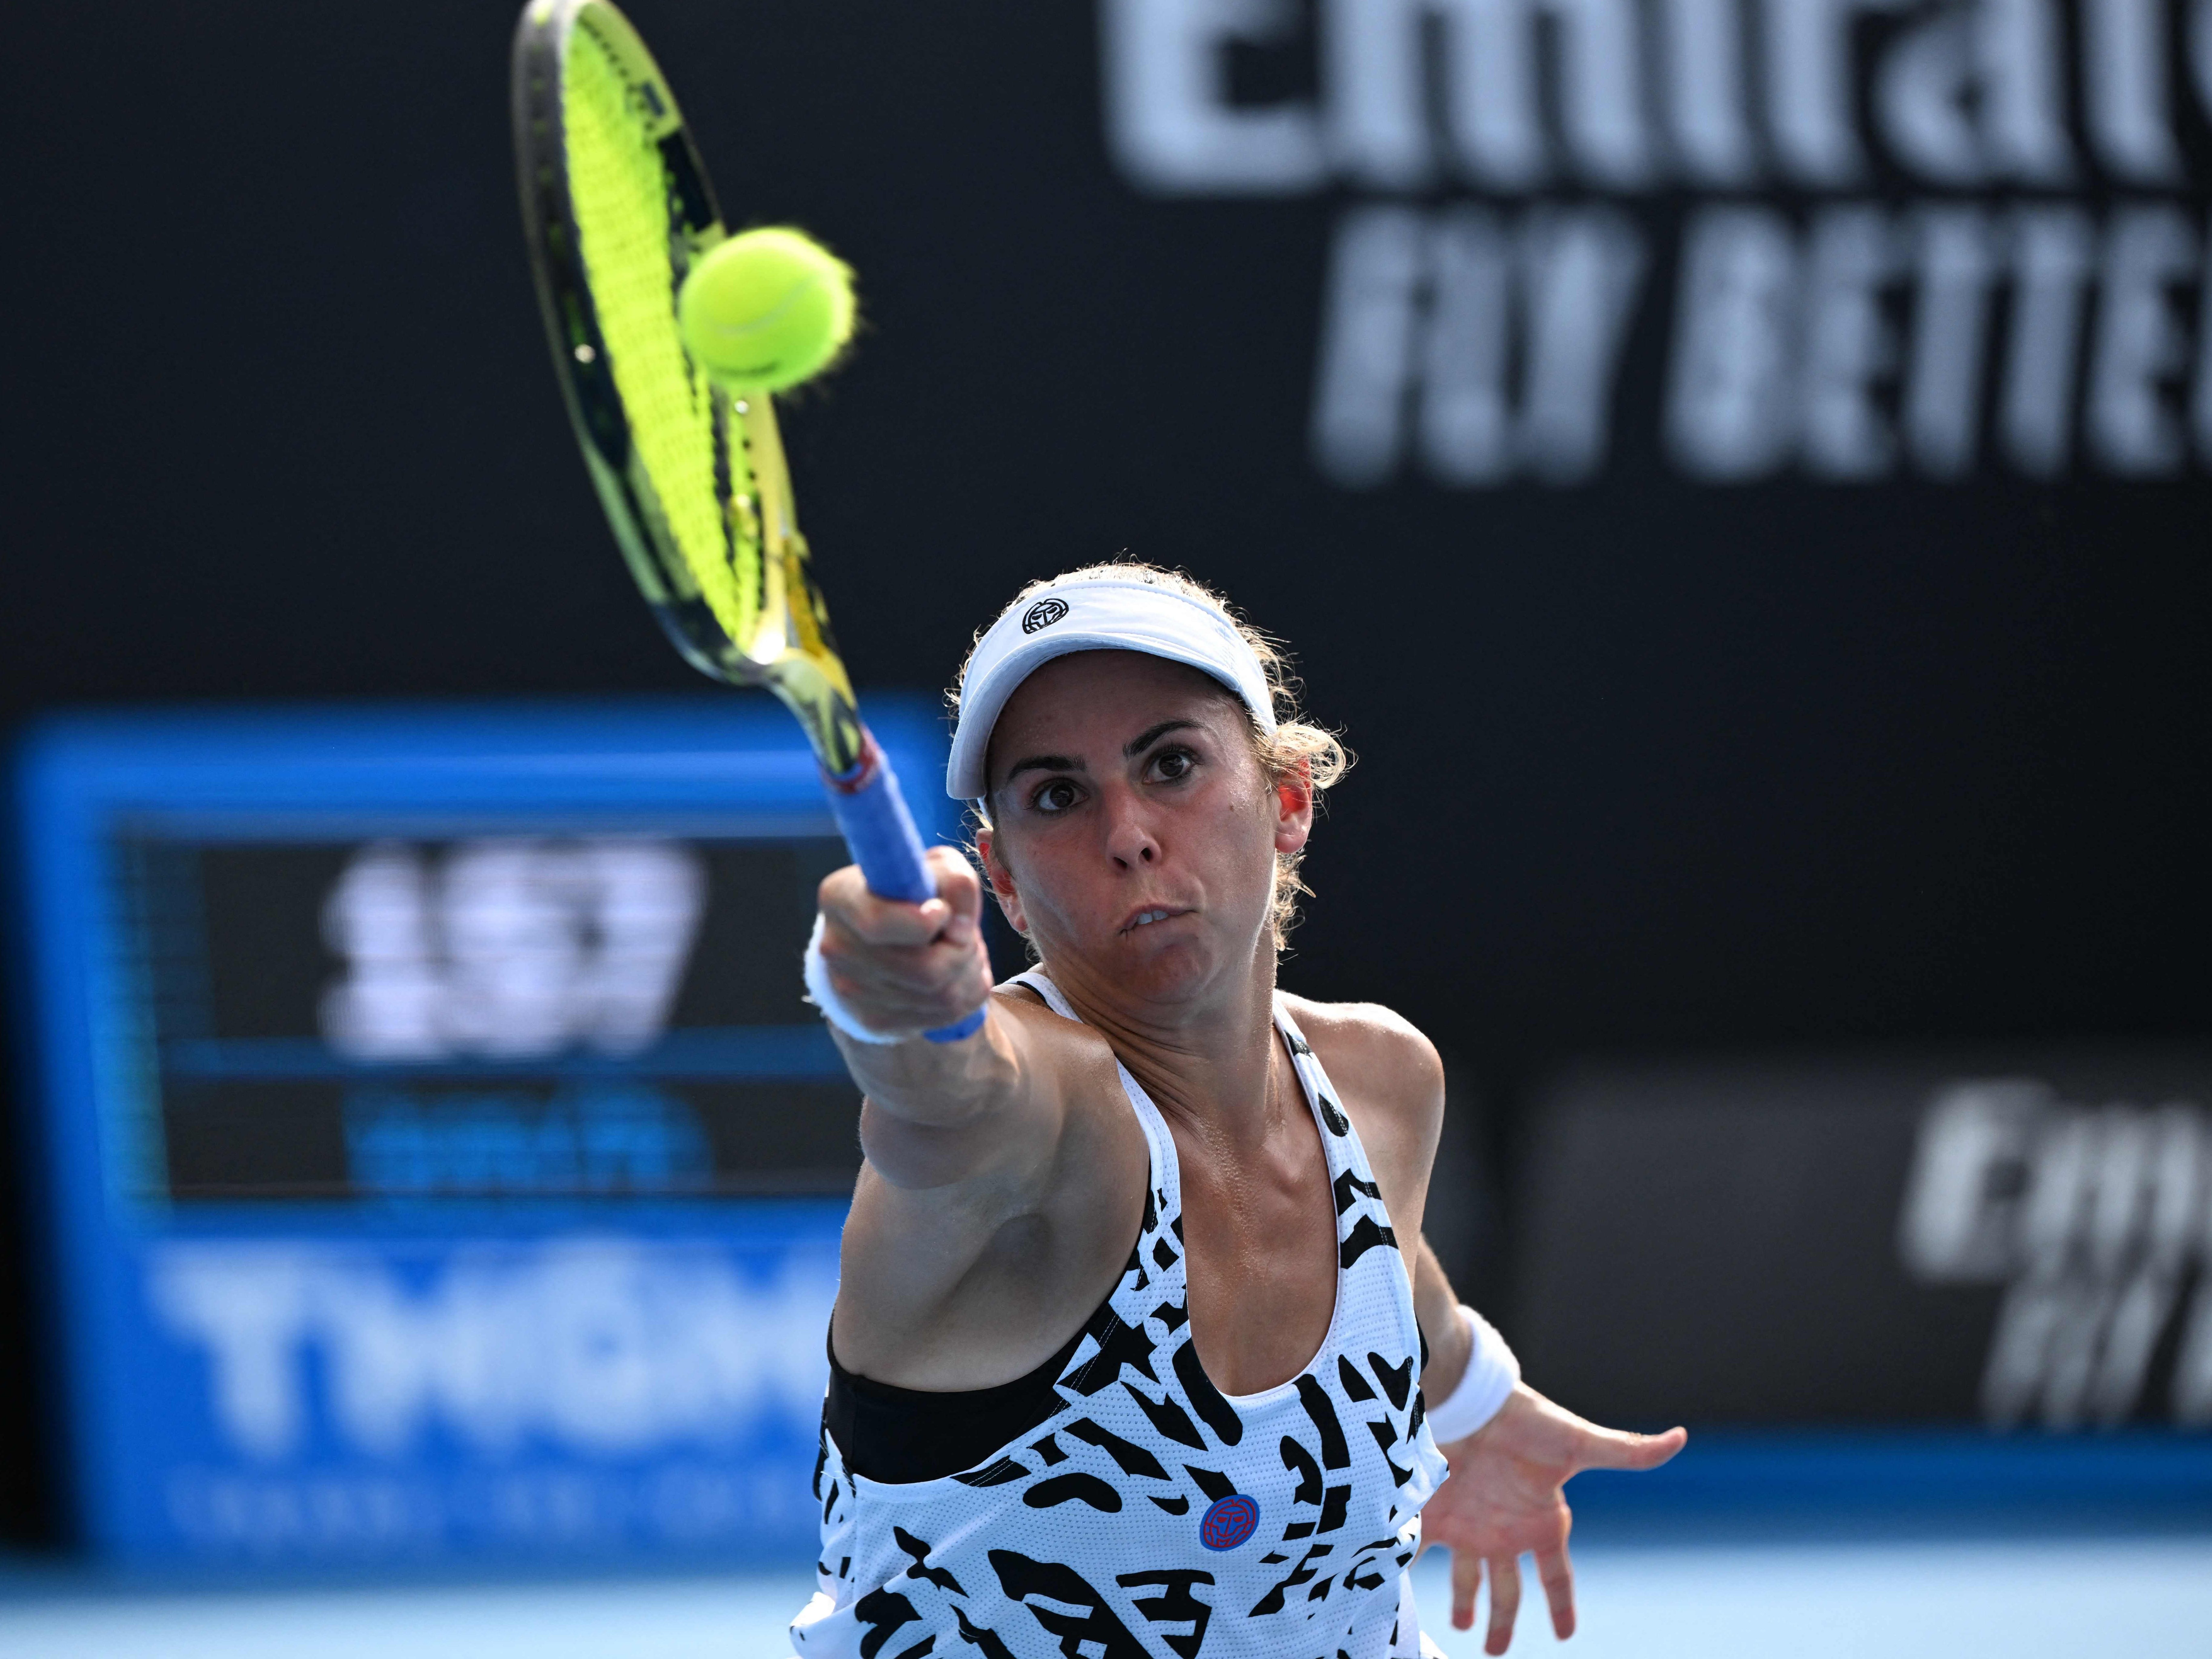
[
  {"x": 1043, "y": 614},
  {"x": 1230, "y": 1521}
]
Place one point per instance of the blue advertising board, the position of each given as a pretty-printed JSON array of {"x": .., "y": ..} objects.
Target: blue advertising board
[{"x": 434, "y": 1155}]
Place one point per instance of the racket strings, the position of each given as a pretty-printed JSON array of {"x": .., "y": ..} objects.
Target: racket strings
[{"x": 619, "y": 192}]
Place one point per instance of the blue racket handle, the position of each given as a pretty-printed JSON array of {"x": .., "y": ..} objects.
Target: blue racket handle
[{"x": 872, "y": 815}]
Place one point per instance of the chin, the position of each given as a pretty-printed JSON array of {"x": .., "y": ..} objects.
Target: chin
[{"x": 1172, "y": 970}]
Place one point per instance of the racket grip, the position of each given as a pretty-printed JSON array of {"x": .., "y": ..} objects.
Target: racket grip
[{"x": 878, "y": 830}]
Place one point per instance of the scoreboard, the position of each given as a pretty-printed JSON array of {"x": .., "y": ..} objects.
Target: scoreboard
[
  {"x": 481, "y": 1015},
  {"x": 431, "y": 1150}
]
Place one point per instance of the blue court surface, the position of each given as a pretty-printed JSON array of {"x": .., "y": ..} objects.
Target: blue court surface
[{"x": 2019, "y": 1597}]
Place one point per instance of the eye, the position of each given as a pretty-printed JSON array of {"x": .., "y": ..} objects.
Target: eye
[
  {"x": 1172, "y": 765},
  {"x": 1055, "y": 796}
]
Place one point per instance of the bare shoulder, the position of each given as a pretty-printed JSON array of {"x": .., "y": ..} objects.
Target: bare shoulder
[
  {"x": 1391, "y": 1082},
  {"x": 1060, "y": 1040},
  {"x": 1380, "y": 1057}
]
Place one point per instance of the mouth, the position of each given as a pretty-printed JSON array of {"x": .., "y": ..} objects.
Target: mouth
[{"x": 1147, "y": 918}]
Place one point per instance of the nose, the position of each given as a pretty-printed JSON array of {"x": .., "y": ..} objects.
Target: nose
[{"x": 1129, "y": 839}]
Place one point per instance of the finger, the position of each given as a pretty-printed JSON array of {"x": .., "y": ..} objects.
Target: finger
[
  {"x": 884, "y": 1014},
  {"x": 848, "y": 907},
  {"x": 960, "y": 895},
  {"x": 846, "y": 902},
  {"x": 957, "y": 883},
  {"x": 1615, "y": 1449},
  {"x": 923, "y": 976},
  {"x": 853, "y": 913},
  {"x": 1504, "y": 1603},
  {"x": 1467, "y": 1576},
  {"x": 922, "y": 967},
  {"x": 1558, "y": 1575},
  {"x": 927, "y": 998},
  {"x": 871, "y": 970}
]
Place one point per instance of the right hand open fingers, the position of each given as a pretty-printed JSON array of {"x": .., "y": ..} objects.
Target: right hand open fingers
[
  {"x": 1466, "y": 1579},
  {"x": 1504, "y": 1603},
  {"x": 1557, "y": 1574},
  {"x": 1617, "y": 1449}
]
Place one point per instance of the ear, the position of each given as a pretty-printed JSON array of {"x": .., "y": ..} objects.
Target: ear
[
  {"x": 1294, "y": 807},
  {"x": 1002, "y": 883}
]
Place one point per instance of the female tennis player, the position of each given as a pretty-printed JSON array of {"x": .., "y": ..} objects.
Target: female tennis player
[{"x": 1138, "y": 1351}]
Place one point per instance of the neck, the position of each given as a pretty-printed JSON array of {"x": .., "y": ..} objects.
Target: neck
[{"x": 1207, "y": 1062}]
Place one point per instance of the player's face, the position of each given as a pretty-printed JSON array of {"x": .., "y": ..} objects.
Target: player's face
[{"x": 1135, "y": 833}]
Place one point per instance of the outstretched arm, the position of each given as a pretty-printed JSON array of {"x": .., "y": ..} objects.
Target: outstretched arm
[
  {"x": 962, "y": 1138},
  {"x": 1504, "y": 1498},
  {"x": 895, "y": 969},
  {"x": 936, "y": 1114}
]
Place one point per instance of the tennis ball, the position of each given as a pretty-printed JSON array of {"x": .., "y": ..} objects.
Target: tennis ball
[{"x": 766, "y": 309}]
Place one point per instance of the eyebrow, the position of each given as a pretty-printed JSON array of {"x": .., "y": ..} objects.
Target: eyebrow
[
  {"x": 1044, "y": 763},
  {"x": 1151, "y": 734}
]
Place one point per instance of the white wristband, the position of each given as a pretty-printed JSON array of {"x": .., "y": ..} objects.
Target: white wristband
[
  {"x": 823, "y": 996},
  {"x": 1492, "y": 1374}
]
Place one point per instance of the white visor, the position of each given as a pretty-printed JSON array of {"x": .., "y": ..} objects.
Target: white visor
[{"x": 1094, "y": 616}]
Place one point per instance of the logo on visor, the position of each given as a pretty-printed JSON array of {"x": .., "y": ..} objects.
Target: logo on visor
[{"x": 1043, "y": 614}]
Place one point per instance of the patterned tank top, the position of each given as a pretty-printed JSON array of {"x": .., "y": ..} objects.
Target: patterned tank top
[{"x": 1152, "y": 1516}]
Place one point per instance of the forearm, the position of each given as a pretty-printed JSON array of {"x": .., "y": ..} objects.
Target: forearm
[
  {"x": 1437, "y": 1306},
  {"x": 1470, "y": 1370},
  {"x": 940, "y": 1086}
]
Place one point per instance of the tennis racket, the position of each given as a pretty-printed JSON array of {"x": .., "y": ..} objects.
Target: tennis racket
[{"x": 616, "y": 205}]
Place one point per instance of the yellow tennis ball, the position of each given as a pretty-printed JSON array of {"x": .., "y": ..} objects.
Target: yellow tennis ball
[{"x": 766, "y": 309}]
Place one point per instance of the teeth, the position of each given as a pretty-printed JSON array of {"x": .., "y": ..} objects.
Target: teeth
[{"x": 1149, "y": 917}]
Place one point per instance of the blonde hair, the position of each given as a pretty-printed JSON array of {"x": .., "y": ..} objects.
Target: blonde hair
[{"x": 1295, "y": 740}]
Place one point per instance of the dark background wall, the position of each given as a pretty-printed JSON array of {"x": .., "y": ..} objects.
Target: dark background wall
[{"x": 1646, "y": 763}]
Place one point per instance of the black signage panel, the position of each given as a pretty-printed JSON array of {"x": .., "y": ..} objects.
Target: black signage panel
[{"x": 2022, "y": 1239}]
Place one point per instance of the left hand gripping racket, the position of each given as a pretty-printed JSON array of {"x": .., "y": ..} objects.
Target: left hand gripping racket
[{"x": 616, "y": 206}]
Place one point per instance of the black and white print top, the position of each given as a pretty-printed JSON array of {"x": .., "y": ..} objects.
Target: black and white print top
[{"x": 1152, "y": 1516}]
